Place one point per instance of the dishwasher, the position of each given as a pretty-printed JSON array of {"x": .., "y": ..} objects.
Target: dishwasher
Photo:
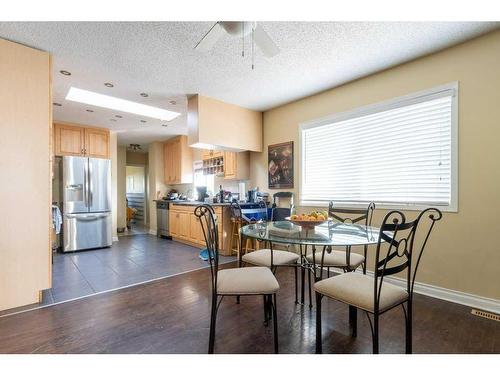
[{"x": 162, "y": 219}]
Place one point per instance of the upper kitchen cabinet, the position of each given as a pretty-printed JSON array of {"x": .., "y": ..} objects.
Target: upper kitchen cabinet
[
  {"x": 178, "y": 161},
  {"x": 236, "y": 165},
  {"x": 80, "y": 141},
  {"x": 97, "y": 143},
  {"x": 68, "y": 140},
  {"x": 223, "y": 126},
  {"x": 209, "y": 154}
]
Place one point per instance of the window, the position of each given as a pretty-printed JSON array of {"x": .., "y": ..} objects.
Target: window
[
  {"x": 400, "y": 153},
  {"x": 201, "y": 179}
]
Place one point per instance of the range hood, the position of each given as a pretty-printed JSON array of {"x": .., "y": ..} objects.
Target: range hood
[{"x": 213, "y": 124}]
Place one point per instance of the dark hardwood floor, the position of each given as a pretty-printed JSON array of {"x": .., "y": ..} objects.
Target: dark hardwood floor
[{"x": 172, "y": 316}]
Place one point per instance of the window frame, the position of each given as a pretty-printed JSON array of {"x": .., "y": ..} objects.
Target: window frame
[{"x": 379, "y": 107}]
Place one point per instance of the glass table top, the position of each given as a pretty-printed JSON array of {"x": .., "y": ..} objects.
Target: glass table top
[{"x": 327, "y": 234}]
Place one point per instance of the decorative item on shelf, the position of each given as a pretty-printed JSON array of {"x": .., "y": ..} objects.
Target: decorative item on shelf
[{"x": 280, "y": 165}]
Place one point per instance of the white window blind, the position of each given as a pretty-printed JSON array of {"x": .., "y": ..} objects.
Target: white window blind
[{"x": 398, "y": 153}]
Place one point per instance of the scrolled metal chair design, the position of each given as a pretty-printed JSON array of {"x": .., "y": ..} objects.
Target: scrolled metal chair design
[
  {"x": 235, "y": 281},
  {"x": 370, "y": 293},
  {"x": 343, "y": 259}
]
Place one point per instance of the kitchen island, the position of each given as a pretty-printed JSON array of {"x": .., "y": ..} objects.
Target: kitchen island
[{"x": 185, "y": 226}]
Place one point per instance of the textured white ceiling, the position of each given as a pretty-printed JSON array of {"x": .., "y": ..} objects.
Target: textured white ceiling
[{"x": 158, "y": 58}]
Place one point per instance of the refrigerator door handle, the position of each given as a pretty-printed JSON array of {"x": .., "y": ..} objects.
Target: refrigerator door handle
[
  {"x": 90, "y": 187},
  {"x": 85, "y": 184},
  {"x": 86, "y": 217}
]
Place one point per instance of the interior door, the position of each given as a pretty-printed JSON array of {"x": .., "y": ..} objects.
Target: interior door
[
  {"x": 99, "y": 195},
  {"x": 74, "y": 184}
]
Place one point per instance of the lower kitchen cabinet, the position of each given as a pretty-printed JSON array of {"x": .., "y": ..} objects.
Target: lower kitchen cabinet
[{"x": 185, "y": 226}]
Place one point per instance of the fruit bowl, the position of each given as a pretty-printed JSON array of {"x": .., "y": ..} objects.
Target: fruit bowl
[{"x": 308, "y": 223}]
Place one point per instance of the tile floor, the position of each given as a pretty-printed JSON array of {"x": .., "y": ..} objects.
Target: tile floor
[{"x": 133, "y": 259}]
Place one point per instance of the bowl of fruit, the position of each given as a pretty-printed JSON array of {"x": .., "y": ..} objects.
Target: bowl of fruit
[{"x": 309, "y": 220}]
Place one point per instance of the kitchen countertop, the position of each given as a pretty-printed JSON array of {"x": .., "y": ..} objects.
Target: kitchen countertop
[{"x": 195, "y": 203}]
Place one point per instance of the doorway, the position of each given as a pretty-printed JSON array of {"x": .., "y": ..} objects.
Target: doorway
[{"x": 136, "y": 199}]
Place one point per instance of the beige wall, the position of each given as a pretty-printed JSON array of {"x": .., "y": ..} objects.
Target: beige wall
[
  {"x": 156, "y": 180},
  {"x": 464, "y": 253},
  {"x": 223, "y": 125},
  {"x": 25, "y": 128},
  {"x": 121, "y": 187},
  {"x": 140, "y": 158}
]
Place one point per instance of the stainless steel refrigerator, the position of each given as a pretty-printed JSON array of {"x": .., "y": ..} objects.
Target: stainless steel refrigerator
[{"x": 86, "y": 188}]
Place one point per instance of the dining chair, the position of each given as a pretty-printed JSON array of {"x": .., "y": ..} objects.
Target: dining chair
[
  {"x": 248, "y": 281},
  {"x": 395, "y": 253},
  {"x": 274, "y": 258},
  {"x": 347, "y": 260},
  {"x": 343, "y": 259}
]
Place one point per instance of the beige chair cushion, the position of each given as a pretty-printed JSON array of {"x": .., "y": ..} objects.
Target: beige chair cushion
[
  {"x": 246, "y": 280},
  {"x": 263, "y": 258},
  {"x": 356, "y": 289},
  {"x": 337, "y": 259}
]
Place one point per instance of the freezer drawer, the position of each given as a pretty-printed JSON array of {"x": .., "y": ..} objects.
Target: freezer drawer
[{"x": 87, "y": 231}]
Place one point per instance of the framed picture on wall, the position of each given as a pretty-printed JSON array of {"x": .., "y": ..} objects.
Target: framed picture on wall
[{"x": 280, "y": 165}]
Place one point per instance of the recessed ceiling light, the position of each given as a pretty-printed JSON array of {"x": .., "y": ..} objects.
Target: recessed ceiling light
[
  {"x": 65, "y": 72},
  {"x": 119, "y": 116},
  {"x": 144, "y": 95},
  {"x": 57, "y": 104},
  {"x": 143, "y": 121},
  {"x": 173, "y": 102},
  {"x": 122, "y": 105},
  {"x": 107, "y": 84},
  {"x": 89, "y": 110}
]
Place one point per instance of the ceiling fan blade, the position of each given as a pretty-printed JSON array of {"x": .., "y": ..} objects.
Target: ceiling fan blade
[
  {"x": 210, "y": 38},
  {"x": 265, "y": 43}
]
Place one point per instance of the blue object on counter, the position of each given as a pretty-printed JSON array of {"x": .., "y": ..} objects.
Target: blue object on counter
[{"x": 204, "y": 254}]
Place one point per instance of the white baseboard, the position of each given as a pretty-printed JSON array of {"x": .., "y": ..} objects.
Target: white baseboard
[
  {"x": 478, "y": 302},
  {"x": 152, "y": 231},
  {"x": 115, "y": 238}
]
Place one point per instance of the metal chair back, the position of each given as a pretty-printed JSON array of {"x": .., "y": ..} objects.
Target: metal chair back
[
  {"x": 396, "y": 250},
  {"x": 235, "y": 210},
  {"x": 351, "y": 215},
  {"x": 280, "y": 213},
  {"x": 209, "y": 226}
]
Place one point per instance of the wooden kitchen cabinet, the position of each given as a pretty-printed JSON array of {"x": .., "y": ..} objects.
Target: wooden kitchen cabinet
[
  {"x": 97, "y": 143},
  {"x": 236, "y": 165},
  {"x": 68, "y": 140},
  {"x": 173, "y": 223},
  {"x": 195, "y": 231},
  {"x": 209, "y": 154},
  {"x": 185, "y": 226},
  {"x": 178, "y": 161},
  {"x": 72, "y": 140}
]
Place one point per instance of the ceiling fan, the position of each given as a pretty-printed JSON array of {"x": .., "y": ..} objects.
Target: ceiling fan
[{"x": 239, "y": 29}]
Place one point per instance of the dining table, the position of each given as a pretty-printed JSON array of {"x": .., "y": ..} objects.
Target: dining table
[{"x": 326, "y": 236}]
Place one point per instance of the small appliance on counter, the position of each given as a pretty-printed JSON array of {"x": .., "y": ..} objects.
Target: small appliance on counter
[
  {"x": 252, "y": 196},
  {"x": 172, "y": 195},
  {"x": 202, "y": 193}
]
